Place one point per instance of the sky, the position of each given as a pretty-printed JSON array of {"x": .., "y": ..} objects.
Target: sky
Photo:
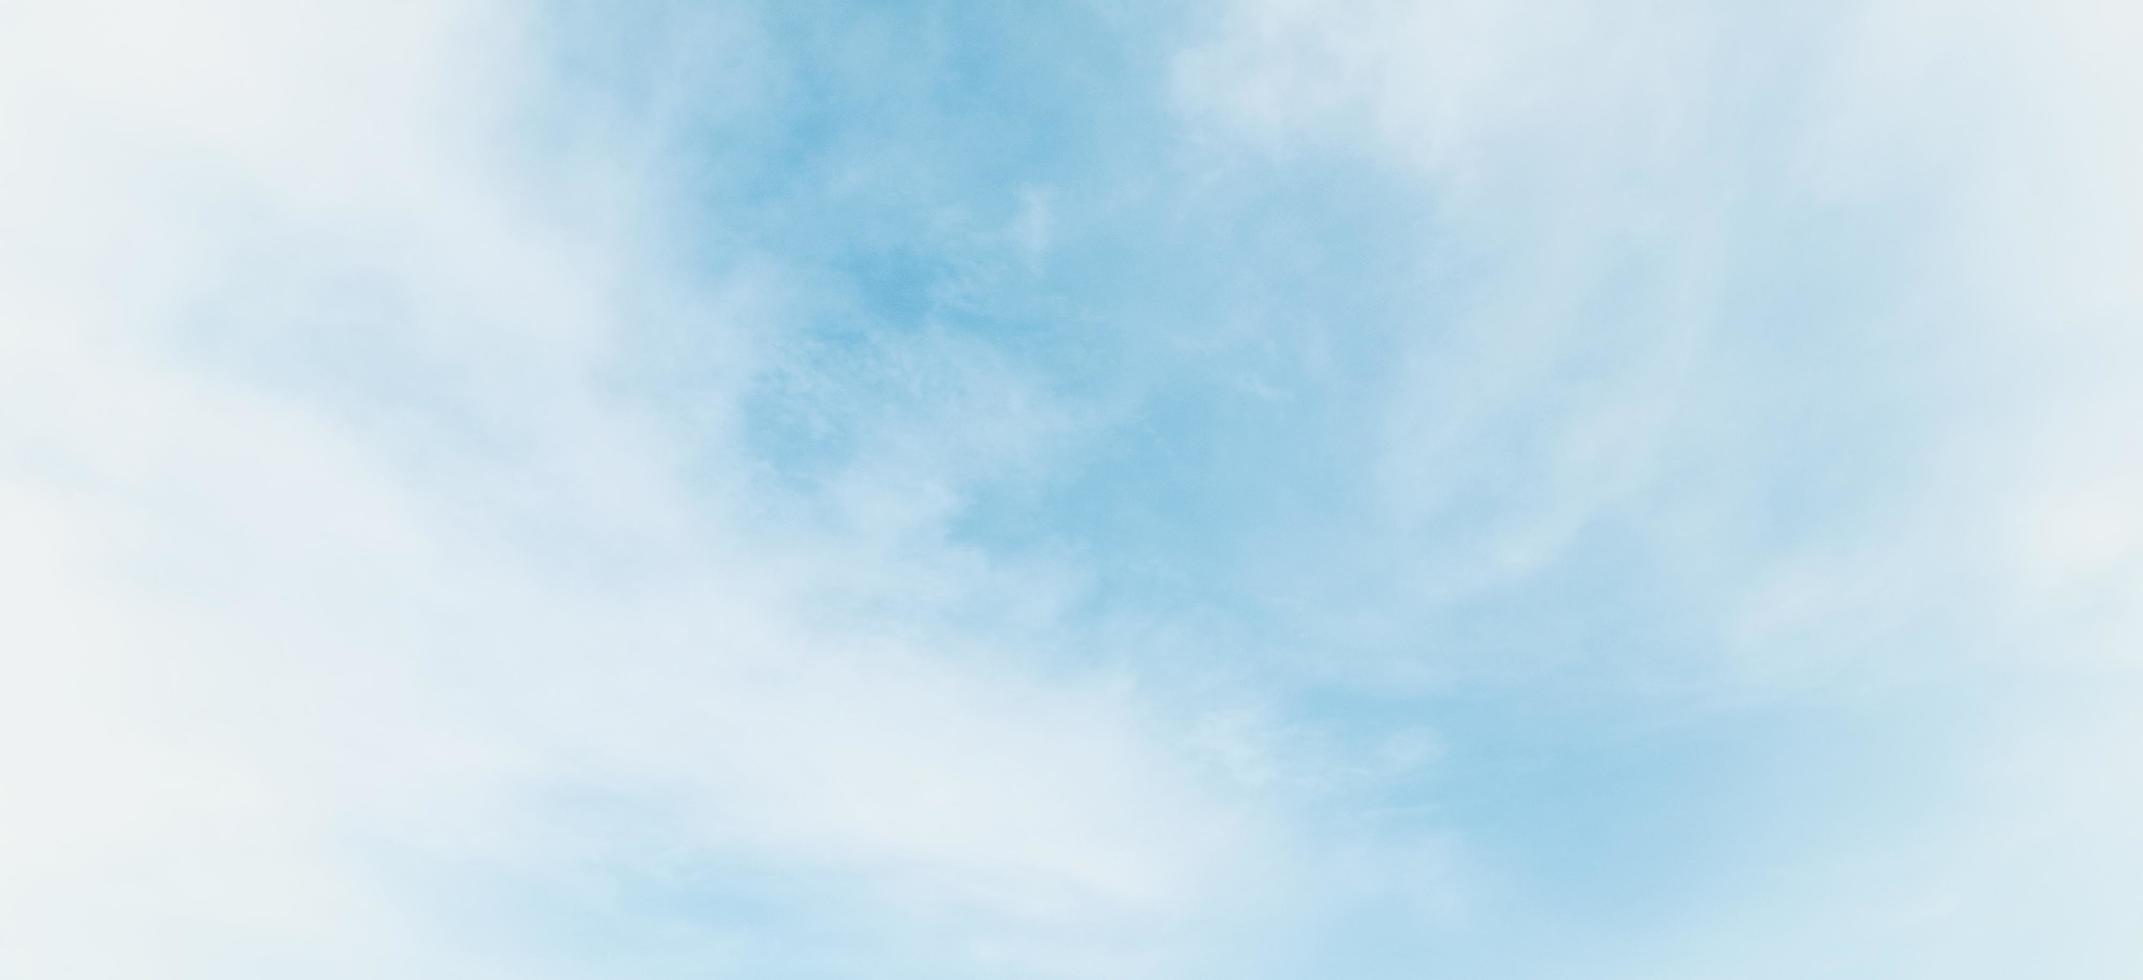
[{"x": 1247, "y": 489}]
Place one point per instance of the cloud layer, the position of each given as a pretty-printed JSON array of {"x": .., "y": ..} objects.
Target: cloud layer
[{"x": 1251, "y": 489}]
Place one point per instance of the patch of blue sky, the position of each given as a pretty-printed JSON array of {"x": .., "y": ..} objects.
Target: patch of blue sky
[
  {"x": 1235, "y": 322},
  {"x": 1230, "y": 333},
  {"x": 1518, "y": 487}
]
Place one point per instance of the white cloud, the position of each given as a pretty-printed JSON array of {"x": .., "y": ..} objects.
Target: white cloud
[
  {"x": 1963, "y": 285},
  {"x": 354, "y": 602},
  {"x": 331, "y": 551}
]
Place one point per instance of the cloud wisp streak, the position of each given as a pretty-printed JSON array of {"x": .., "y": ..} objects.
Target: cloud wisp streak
[{"x": 1245, "y": 489}]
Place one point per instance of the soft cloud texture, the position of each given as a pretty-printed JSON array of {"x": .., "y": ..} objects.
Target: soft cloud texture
[
  {"x": 1252, "y": 489},
  {"x": 365, "y": 621}
]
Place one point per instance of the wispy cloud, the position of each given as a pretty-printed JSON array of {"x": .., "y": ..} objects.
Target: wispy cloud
[{"x": 1255, "y": 489}]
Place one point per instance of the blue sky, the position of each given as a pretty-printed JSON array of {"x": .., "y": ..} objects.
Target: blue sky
[{"x": 1233, "y": 489}]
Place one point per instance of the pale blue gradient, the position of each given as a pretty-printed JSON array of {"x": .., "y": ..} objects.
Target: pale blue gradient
[{"x": 1223, "y": 489}]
